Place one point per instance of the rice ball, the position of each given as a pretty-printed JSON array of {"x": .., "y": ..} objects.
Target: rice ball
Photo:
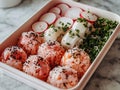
[
  {"x": 30, "y": 42},
  {"x": 63, "y": 77},
  {"x": 51, "y": 51},
  {"x": 37, "y": 67},
  {"x": 77, "y": 59},
  {"x": 14, "y": 56}
]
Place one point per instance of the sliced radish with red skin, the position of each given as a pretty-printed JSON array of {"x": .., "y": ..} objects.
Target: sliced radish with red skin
[
  {"x": 90, "y": 17},
  {"x": 73, "y": 13},
  {"x": 39, "y": 27},
  {"x": 57, "y": 16},
  {"x": 64, "y": 8},
  {"x": 82, "y": 9},
  {"x": 77, "y": 7},
  {"x": 65, "y": 21},
  {"x": 48, "y": 17},
  {"x": 55, "y": 10}
]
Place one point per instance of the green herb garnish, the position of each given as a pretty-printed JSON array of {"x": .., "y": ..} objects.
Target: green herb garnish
[
  {"x": 67, "y": 43},
  {"x": 55, "y": 30},
  {"x": 77, "y": 30},
  {"x": 81, "y": 20},
  {"x": 65, "y": 26},
  {"x": 95, "y": 41}
]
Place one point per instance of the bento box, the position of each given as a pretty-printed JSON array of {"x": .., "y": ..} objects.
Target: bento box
[{"x": 39, "y": 84}]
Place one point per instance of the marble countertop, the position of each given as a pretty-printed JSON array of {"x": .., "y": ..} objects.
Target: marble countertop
[{"x": 107, "y": 75}]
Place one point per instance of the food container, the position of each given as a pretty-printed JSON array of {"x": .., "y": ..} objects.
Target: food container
[{"x": 41, "y": 85}]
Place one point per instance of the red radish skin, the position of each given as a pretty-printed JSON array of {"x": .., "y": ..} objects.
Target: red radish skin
[
  {"x": 50, "y": 18},
  {"x": 64, "y": 8},
  {"x": 55, "y": 10},
  {"x": 39, "y": 27},
  {"x": 90, "y": 17},
  {"x": 73, "y": 13},
  {"x": 82, "y": 9},
  {"x": 57, "y": 16}
]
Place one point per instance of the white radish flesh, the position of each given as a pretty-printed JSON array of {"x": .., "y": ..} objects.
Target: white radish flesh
[
  {"x": 39, "y": 27},
  {"x": 55, "y": 10},
  {"x": 68, "y": 41},
  {"x": 73, "y": 13},
  {"x": 62, "y": 21},
  {"x": 90, "y": 17},
  {"x": 48, "y": 17},
  {"x": 75, "y": 36},
  {"x": 64, "y": 8},
  {"x": 52, "y": 34},
  {"x": 80, "y": 27}
]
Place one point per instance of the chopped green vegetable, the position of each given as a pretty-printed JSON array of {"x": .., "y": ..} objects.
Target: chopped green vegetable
[
  {"x": 51, "y": 26},
  {"x": 77, "y": 30},
  {"x": 49, "y": 34},
  {"x": 41, "y": 35},
  {"x": 67, "y": 43},
  {"x": 68, "y": 23},
  {"x": 65, "y": 26},
  {"x": 78, "y": 35},
  {"x": 55, "y": 30},
  {"x": 95, "y": 41},
  {"x": 81, "y": 20},
  {"x": 71, "y": 34}
]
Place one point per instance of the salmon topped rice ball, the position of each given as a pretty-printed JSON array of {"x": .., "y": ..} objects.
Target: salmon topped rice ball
[
  {"x": 63, "y": 77},
  {"x": 14, "y": 56},
  {"x": 51, "y": 51},
  {"x": 77, "y": 59},
  {"x": 37, "y": 67},
  {"x": 30, "y": 42}
]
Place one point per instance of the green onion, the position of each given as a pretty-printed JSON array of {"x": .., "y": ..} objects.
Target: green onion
[
  {"x": 67, "y": 43},
  {"x": 95, "y": 41}
]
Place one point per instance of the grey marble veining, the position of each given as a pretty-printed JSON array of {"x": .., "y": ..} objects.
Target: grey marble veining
[
  {"x": 110, "y": 5},
  {"x": 13, "y": 18},
  {"x": 107, "y": 75}
]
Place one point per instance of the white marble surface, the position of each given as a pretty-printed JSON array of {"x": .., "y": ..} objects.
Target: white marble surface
[{"x": 107, "y": 75}]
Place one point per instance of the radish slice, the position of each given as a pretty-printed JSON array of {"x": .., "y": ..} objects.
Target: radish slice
[
  {"x": 81, "y": 29},
  {"x": 62, "y": 21},
  {"x": 51, "y": 34},
  {"x": 69, "y": 42},
  {"x": 49, "y": 18},
  {"x": 39, "y": 27},
  {"x": 64, "y": 8},
  {"x": 73, "y": 13},
  {"x": 90, "y": 17},
  {"x": 57, "y": 16},
  {"x": 55, "y": 10}
]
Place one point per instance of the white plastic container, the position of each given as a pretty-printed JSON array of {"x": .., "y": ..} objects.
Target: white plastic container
[{"x": 41, "y": 85}]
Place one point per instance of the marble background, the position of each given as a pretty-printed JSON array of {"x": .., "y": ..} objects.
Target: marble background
[{"x": 107, "y": 75}]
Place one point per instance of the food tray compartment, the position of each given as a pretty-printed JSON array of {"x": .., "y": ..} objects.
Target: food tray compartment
[{"x": 39, "y": 84}]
